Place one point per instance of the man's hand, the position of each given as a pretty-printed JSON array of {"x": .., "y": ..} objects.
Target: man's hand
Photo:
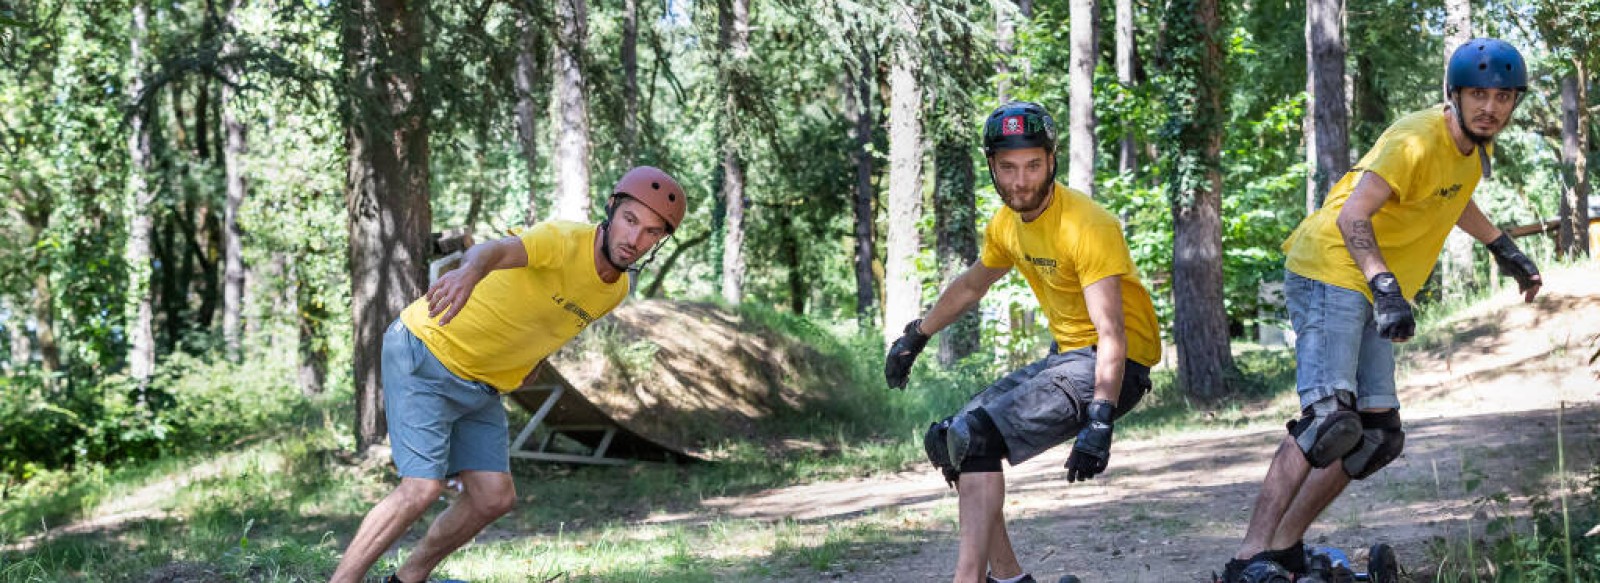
[
  {"x": 449, "y": 293},
  {"x": 902, "y": 354},
  {"x": 1515, "y": 263},
  {"x": 1092, "y": 450},
  {"x": 1390, "y": 309}
]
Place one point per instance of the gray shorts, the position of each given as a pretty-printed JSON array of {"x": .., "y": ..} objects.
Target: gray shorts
[
  {"x": 1041, "y": 405},
  {"x": 439, "y": 424},
  {"x": 1336, "y": 344}
]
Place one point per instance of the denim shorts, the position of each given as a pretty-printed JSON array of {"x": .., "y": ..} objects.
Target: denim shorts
[
  {"x": 1336, "y": 345},
  {"x": 1042, "y": 405},
  {"x": 439, "y": 424}
]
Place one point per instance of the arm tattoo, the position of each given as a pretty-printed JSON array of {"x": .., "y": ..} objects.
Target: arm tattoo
[{"x": 1361, "y": 237}]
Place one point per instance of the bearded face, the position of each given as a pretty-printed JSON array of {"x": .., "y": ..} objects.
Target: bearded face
[
  {"x": 1022, "y": 178},
  {"x": 1485, "y": 111}
]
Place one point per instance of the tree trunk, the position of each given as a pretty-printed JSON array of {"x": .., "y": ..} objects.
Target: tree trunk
[
  {"x": 1329, "y": 149},
  {"x": 734, "y": 21},
  {"x": 1085, "y": 55},
  {"x": 21, "y": 347},
  {"x": 386, "y": 190},
  {"x": 310, "y": 313},
  {"x": 1128, "y": 161},
  {"x": 34, "y": 211},
  {"x": 1200, "y": 323},
  {"x": 902, "y": 283},
  {"x": 140, "y": 314},
  {"x": 1456, "y": 271},
  {"x": 955, "y": 215},
  {"x": 630, "y": 81},
  {"x": 235, "y": 148},
  {"x": 1005, "y": 38},
  {"x": 571, "y": 155},
  {"x": 858, "y": 99},
  {"x": 44, "y": 323},
  {"x": 525, "y": 80},
  {"x": 733, "y": 266},
  {"x": 1573, "y": 237}
]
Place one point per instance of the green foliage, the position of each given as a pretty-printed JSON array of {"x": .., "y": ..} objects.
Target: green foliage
[{"x": 191, "y": 406}]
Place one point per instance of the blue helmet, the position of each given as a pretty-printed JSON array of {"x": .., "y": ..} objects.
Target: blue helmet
[{"x": 1486, "y": 62}]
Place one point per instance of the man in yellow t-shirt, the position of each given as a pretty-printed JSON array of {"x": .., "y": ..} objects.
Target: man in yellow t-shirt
[
  {"x": 1351, "y": 271},
  {"x": 474, "y": 336},
  {"x": 1071, "y": 252}
]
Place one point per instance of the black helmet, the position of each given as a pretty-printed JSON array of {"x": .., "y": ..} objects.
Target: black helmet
[
  {"x": 1487, "y": 62},
  {"x": 1017, "y": 125}
]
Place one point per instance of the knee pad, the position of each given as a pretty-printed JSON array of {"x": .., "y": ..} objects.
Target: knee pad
[
  {"x": 974, "y": 443},
  {"x": 1327, "y": 429},
  {"x": 937, "y": 446},
  {"x": 1381, "y": 442}
]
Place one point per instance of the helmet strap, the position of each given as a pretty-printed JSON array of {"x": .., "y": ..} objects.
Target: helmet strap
[
  {"x": 605, "y": 236},
  {"x": 1477, "y": 139}
]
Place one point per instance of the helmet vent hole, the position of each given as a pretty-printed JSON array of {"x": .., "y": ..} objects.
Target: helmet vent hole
[
  {"x": 1483, "y": 67},
  {"x": 672, "y": 197},
  {"x": 655, "y": 185}
]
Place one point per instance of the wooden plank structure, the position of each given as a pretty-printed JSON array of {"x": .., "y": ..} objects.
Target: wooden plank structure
[{"x": 566, "y": 427}]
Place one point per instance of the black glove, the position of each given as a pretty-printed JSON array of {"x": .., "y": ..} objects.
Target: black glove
[
  {"x": 1514, "y": 262},
  {"x": 1092, "y": 449},
  {"x": 902, "y": 354},
  {"x": 1390, "y": 308}
]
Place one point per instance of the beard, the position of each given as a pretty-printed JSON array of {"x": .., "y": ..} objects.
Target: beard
[{"x": 1027, "y": 201}]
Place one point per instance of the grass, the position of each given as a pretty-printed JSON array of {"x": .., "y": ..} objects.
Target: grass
[{"x": 1506, "y": 541}]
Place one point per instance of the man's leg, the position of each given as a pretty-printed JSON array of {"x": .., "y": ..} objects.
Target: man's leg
[
  {"x": 487, "y": 496},
  {"x": 1003, "y": 563},
  {"x": 1281, "y": 487},
  {"x": 384, "y": 524},
  {"x": 1316, "y": 494},
  {"x": 982, "y": 499}
]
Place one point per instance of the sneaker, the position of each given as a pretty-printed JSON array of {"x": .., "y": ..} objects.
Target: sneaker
[{"x": 1026, "y": 578}]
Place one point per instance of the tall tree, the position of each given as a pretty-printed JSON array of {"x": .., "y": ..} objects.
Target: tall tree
[
  {"x": 525, "y": 81},
  {"x": 235, "y": 147},
  {"x": 1128, "y": 160},
  {"x": 1085, "y": 55},
  {"x": 571, "y": 154},
  {"x": 1573, "y": 236},
  {"x": 858, "y": 103},
  {"x": 386, "y": 188},
  {"x": 141, "y": 201},
  {"x": 955, "y": 225},
  {"x": 902, "y": 284},
  {"x": 734, "y": 35},
  {"x": 1456, "y": 270},
  {"x": 1005, "y": 37},
  {"x": 1329, "y": 148},
  {"x": 630, "y": 80},
  {"x": 1193, "y": 155}
]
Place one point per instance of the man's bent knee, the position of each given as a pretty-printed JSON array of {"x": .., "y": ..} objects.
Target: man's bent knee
[
  {"x": 419, "y": 491},
  {"x": 967, "y": 442},
  {"x": 1382, "y": 440},
  {"x": 1327, "y": 429}
]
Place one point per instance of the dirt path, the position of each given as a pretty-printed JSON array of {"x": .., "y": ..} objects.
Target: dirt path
[{"x": 1481, "y": 412}]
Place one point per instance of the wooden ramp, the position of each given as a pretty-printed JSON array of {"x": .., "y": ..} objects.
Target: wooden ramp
[{"x": 566, "y": 427}]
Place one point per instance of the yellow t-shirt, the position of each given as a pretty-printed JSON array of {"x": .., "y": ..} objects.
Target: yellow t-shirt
[
  {"x": 1432, "y": 183},
  {"x": 1073, "y": 244},
  {"x": 516, "y": 317}
]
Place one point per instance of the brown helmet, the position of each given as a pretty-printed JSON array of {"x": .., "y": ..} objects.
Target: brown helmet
[{"x": 654, "y": 189}]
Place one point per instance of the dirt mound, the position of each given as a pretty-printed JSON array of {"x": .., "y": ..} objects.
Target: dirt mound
[{"x": 688, "y": 374}]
